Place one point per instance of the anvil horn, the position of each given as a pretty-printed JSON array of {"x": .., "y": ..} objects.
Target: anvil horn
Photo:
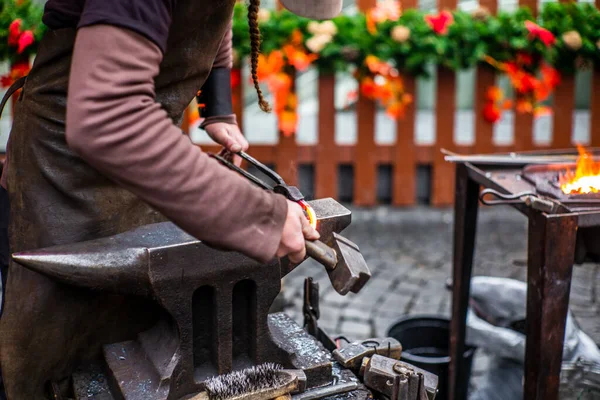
[
  {"x": 118, "y": 263},
  {"x": 123, "y": 271}
]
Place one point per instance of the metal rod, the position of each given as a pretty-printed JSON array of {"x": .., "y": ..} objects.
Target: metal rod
[
  {"x": 326, "y": 391},
  {"x": 512, "y": 158},
  {"x": 507, "y": 160}
]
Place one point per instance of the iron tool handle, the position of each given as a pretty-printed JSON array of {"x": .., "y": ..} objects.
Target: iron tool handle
[{"x": 322, "y": 253}]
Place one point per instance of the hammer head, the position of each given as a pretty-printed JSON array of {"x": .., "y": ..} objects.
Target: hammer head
[{"x": 351, "y": 272}]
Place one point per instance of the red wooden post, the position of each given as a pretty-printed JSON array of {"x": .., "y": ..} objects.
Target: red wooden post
[
  {"x": 486, "y": 78},
  {"x": 564, "y": 102},
  {"x": 443, "y": 172},
  {"x": 286, "y": 154},
  {"x": 523, "y": 127},
  {"x": 404, "y": 183},
  {"x": 326, "y": 163},
  {"x": 595, "y": 105},
  {"x": 365, "y": 162}
]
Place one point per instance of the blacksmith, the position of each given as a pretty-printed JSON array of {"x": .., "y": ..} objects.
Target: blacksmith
[{"x": 95, "y": 151}]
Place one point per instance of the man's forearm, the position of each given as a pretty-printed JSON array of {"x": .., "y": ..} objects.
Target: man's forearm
[{"x": 115, "y": 124}]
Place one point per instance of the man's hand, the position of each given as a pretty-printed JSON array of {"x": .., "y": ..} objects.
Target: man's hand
[
  {"x": 295, "y": 230},
  {"x": 230, "y": 137}
]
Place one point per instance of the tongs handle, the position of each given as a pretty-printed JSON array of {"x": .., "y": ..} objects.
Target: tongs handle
[
  {"x": 322, "y": 253},
  {"x": 530, "y": 199},
  {"x": 517, "y": 198}
]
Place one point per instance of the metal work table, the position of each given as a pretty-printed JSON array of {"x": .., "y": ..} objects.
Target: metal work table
[{"x": 551, "y": 249}]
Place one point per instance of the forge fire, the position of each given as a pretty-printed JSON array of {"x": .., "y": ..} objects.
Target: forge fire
[{"x": 585, "y": 178}]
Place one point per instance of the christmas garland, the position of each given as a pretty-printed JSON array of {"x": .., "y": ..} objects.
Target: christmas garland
[{"x": 382, "y": 45}]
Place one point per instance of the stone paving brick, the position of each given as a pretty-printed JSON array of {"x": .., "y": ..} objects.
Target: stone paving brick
[
  {"x": 356, "y": 330},
  {"x": 395, "y": 302}
]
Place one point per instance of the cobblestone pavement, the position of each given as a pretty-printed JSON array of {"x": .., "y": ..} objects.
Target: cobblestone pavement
[{"x": 409, "y": 253}]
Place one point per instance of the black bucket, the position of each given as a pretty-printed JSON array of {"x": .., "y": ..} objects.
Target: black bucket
[{"x": 425, "y": 344}]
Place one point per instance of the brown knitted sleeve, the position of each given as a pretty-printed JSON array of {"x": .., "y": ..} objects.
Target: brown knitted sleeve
[
  {"x": 115, "y": 124},
  {"x": 224, "y": 57}
]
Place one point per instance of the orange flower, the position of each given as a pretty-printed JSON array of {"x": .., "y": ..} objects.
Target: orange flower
[
  {"x": 507, "y": 105},
  {"x": 524, "y": 106},
  {"x": 550, "y": 75},
  {"x": 269, "y": 65},
  {"x": 491, "y": 112},
  {"x": 537, "y": 32},
  {"x": 296, "y": 38},
  {"x": 440, "y": 22},
  {"x": 17, "y": 71},
  {"x": 287, "y": 123},
  {"x": 494, "y": 94},
  {"x": 371, "y": 24},
  {"x": 298, "y": 59},
  {"x": 395, "y": 110}
]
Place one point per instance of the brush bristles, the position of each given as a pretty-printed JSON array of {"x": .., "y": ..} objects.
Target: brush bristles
[{"x": 250, "y": 380}]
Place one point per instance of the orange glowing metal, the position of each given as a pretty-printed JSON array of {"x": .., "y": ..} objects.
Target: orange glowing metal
[
  {"x": 585, "y": 178},
  {"x": 310, "y": 213}
]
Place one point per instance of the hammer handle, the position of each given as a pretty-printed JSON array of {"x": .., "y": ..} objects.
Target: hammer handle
[{"x": 322, "y": 253}]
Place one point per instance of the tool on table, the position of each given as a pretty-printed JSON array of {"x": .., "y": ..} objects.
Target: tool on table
[
  {"x": 345, "y": 265},
  {"x": 351, "y": 355},
  {"x": 327, "y": 391},
  {"x": 510, "y": 158},
  {"x": 398, "y": 380},
  {"x": 263, "y": 382}
]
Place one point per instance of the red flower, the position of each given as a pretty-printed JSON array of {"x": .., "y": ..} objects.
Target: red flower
[
  {"x": 440, "y": 22},
  {"x": 550, "y": 75},
  {"x": 236, "y": 77},
  {"x": 524, "y": 59},
  {"x": 14, "y": 31},
  {"x": 491, "y": 112},
  {"x": 537, "y": 32},
  {"x": 368, "y": 88},
  {"x": 25, "y": 40}
]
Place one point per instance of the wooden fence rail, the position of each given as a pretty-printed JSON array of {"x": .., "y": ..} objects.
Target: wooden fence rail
[{"x": 404, "y": 156}]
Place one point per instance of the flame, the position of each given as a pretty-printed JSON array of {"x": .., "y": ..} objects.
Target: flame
[
  {"x": 585, "y": 178},
  {"x": 310, "y": 213}
]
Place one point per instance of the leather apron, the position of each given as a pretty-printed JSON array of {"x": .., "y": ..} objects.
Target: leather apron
[{"x": 47, "y": 329}]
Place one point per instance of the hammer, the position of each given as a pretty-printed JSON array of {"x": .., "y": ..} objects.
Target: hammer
[{"x": 345, "y": 265}]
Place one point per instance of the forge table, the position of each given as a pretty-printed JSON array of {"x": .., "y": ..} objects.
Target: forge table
[{"x": 552, "y": 238}]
